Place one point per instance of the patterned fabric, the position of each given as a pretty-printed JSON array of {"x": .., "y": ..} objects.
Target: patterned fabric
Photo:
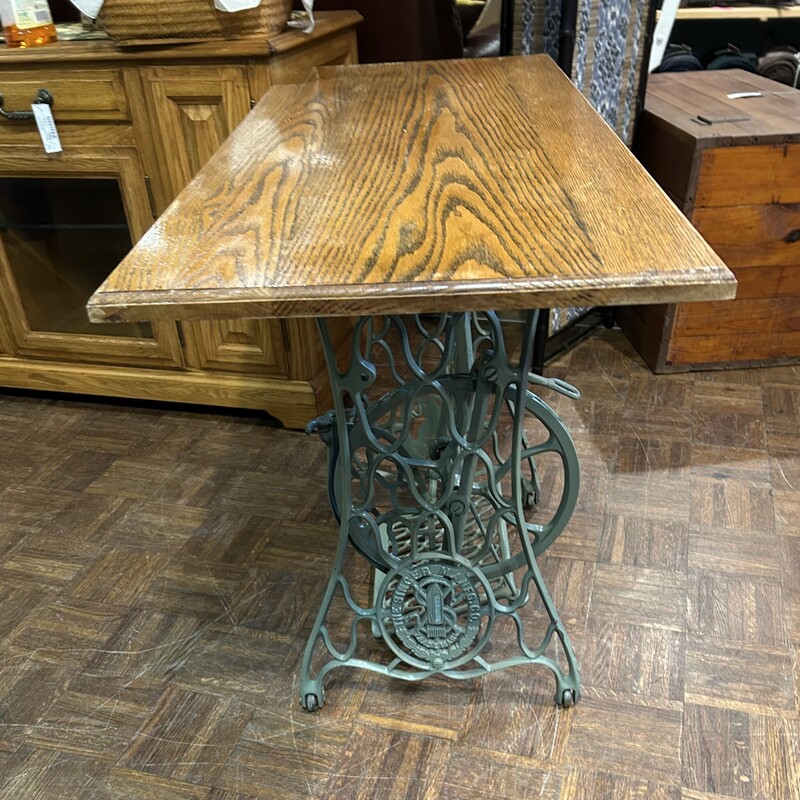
[
  {"x": 609, "y": 50},
  {"x": 606, "y": 66}
]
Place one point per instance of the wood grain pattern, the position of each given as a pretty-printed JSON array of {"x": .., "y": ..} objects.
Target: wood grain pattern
[
  {"x": 755, "y": 235},
  {"x": 79, "y": 94},
  {"x": 679, "y": 99},
  {"x": 442, "y": 185},
  {"x": 733, "y": 176},
  {"x": 180, "y": 684}
]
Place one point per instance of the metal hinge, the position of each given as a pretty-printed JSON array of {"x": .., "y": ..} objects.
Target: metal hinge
[
  {"x": 150, "y": 197},
  {"x": 285, "y": 335}
]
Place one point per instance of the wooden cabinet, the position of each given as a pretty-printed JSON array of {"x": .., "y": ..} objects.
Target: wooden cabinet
[
  {"x": 732, "y": 164},
  {"x": 135, "y": 127}
]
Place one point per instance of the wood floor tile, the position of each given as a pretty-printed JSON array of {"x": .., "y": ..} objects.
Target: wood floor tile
[
  {"x": 188, "y": 737},
  {"x": 163, "y": 527},
  {"x": 206, "y": 590},
  {"x": 787, "y": 512},
  {"x": 664, "y": 406},
  {"x": 96, "y": 718},
  {"x": 739, "y": 676},
  {"x": 64, "y": 632},
  {"x": 511, "y": 778},
  {"x": 120, "y": 575},
  {"x": 776, "y": 759},
  {"x": 731, "y": 505},
  {"x": 127, "y": 784},
  {"x": 785, "y": 469},
  {"x": 730, "y": 415},
  {"x": 377, "y": 763},
  {"x": 634, "y": 660},
  {"x": 731, "y": 463},
  {"x": 598, "y": 785},
  {"x": 737, "y": 609},
  {"x": 636, "y": 541},
  {"x": 284, "y": 756},
  {"x": 717, "y": 752},
  {"x": 147, "y": 646},
  {"x": 46, "y": 561},
  {"x": 46, "y": 774},
  {"x": 254, "y": 666},
  {"x": 27, "y": 690},
  {"x": 736, "y": 553},
  {"x": 229, "y": 538},
  {"x": 639, "y": 596},
  {"x": 592, "y": 744}
]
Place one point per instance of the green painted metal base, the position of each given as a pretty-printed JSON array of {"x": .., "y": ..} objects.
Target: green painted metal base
[{"x": 437, "y": 479}]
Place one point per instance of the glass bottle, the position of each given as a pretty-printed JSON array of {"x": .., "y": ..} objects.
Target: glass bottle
[{"x": 27, "y": 23}]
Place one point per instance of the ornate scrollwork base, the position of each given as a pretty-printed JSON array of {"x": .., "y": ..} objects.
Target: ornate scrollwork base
[{"x": 439, "y": 459}]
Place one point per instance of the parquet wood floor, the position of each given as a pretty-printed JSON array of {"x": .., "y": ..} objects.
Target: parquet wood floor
[{"x": 153, "y": 609}]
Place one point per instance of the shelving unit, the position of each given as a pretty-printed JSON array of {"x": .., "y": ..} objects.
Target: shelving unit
[{"x": 751, "y": 28}]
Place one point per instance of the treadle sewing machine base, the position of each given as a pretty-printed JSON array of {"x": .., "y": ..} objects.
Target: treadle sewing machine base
[
  {"x": 440, "y": 188},
  {"x": 425, "y": 489}
]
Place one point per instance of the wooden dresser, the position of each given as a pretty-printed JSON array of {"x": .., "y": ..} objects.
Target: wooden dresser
[
  {"x": 732, "y": 165},
  {"x": 135, "y": 126}
]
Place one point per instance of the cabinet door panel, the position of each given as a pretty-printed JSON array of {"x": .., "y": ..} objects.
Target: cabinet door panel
[
  {"x": 65, "y": 223},
  {"x": 253, "y": 346},
  {"x": 192, "y": 110}
]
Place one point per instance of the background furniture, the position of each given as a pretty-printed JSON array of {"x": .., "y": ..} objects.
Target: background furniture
[
  {"x": 136, "y": 125},
  {"x": 421, "y": 30},
  {"x": 403, "y": 30},
  {"x": 751, "y": 28},
  {"x": 733, "y": 167}
]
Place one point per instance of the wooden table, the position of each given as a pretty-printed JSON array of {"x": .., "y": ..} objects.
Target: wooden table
[{"x": 426, "y": 193}]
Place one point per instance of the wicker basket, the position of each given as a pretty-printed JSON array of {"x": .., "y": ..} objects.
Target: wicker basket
[{"x": 126, "y": 20}]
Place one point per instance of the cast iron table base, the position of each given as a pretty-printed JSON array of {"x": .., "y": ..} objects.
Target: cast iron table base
[{"x": 434, "y": 480}]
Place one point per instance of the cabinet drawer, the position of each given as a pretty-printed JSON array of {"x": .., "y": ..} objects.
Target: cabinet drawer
[
  {"x": 749, "y": 175},
  {"x": 79, "y": 95}
]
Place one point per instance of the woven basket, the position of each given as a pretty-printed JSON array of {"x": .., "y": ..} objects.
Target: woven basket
[{"x": 126, "y": 20}]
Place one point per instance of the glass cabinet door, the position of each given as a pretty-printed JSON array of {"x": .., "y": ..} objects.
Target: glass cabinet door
[{"x": 62, "y": 232}]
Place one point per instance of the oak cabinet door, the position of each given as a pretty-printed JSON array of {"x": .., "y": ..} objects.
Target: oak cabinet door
[
  {"x": 192, "y": 110},
  {"x": 65, "y": 224},
  {"x": 252, "y": 346}
]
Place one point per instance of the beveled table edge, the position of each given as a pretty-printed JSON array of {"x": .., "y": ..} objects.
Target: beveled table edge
[{"x": 714, "y": 282}]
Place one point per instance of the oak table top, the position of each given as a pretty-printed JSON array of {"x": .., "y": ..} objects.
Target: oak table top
[{"x": 400, "y": 188}]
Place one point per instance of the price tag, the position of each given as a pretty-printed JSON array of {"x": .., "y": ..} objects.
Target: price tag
[
  {"x": 236, "y": 5},
  {"x": 43, "y": 115},
  {"x": 305, "y": 25}
]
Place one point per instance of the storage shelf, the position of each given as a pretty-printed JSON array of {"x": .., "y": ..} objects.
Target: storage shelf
[{"x": 739, "y": 12}]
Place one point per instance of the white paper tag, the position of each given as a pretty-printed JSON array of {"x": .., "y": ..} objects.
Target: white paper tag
[
  {"x": 89, "y": 7},
  {"x": 236, "y": 5},
  {"x": 305, "y": 26},
  {"x": 43, "y": 115}
]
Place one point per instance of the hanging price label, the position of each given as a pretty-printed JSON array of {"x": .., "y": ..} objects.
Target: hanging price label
[{"x": 43, "y": 115}]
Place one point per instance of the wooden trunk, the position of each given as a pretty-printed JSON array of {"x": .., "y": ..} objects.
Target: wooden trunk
[{"x": 732, "y": 165}]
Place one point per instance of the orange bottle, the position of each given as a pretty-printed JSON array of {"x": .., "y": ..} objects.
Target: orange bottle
[{"x": 27, "y": 23}]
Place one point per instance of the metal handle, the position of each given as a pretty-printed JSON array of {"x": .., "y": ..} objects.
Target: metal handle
[
  {"x": 42, "y": 96},
  {"x": 556, "y": 384}
]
